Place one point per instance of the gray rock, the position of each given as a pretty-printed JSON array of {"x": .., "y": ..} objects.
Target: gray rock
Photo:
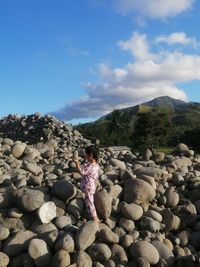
[
  {"x": 17, "y": 150},
  {"x": 144, "y": 249},
  {"x": 61, "y": 259},
  {"x": 65, "y": 242},
  {"x": 118, "y": 254},
  {"x": 42, "y": 229},
  {"x": 126, "y": 241},
  {"x": 107, "y": 235},
  {"x": 172, "y": 198},
  {"x": 64, "y": 190},
  {"x": 131, "y": 211},
  {"x": 39, "y": 252},
  {"x": 157, "y": 173},
  {"x": 36, "y": 170},
  {"x": 138, "y": 191},
  {"x": 83, "y": 259},
  {"x": 28, "y": 199},
  {"x": 75, "y": 207},
  {"x": 154, "y": 215},
  {"x": 184, "y": 238},
  {"x": 103, "y": 204},
  {"x": 4, "y": 260},
  {"x": 4, "y": 233},
  {"x": 171, "y": 221},
  {"x": 164, "y": 252},
  {"x": 62, "y": 221},
  {"x": 99, "y": 252},
  {"x": 126, "y": 224},
  {"x": 118, "y": 164},
  {"x": 86, "y": 235},
  {"x": 149, "y": 224},
  {"x": 18, "y": 242}
]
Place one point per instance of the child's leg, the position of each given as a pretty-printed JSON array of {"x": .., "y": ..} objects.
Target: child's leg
[{"x": 89, "y": 201}]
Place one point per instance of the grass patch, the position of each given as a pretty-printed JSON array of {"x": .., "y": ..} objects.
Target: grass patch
[{"x": 166, "y": 150}]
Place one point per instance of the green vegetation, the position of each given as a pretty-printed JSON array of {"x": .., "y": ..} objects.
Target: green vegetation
[{"x": 163, "y": 122}]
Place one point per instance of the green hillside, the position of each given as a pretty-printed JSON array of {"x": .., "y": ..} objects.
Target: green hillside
[{"x": 165, "y": 119}]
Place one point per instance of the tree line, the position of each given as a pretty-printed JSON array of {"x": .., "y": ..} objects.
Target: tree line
[{"x": 151, "y": 129}]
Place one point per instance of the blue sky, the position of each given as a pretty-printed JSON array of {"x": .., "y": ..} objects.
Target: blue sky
[{"x": 80, "y": 59}]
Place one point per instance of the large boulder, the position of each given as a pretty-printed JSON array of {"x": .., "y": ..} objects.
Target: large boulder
[
  {"x": 118, "y": 163},
  {"x": 47, "y": 212},
  {"x": 138, "y": 191},
  {"x": 64, "y": 190},
  {"x": 157, "y": 173},
  {"x": 39, "y": 252},
  {"x": 131, "y": 211},
  {"x": 119, "y": 255},
  {"x": 75, "y": 207},
  {"x": 99, "y": 252},
  {"x": 18, "y": 242},
  {"x": 61, "y": 259},
  {"x": 86, "y": 235},
  {"x": 103, "y": 204},
  {"x": 83, "y": 259},
  {"x": 28, "y": 199},
  {"x": 33, "y": 168},
  {"x": 144, "y": 249},
  {"x": 4, "y": 260},
  {"x": 182, "y": 162},
  {"x": 107, "y": 235},
  {"x": 17, "y": 150},
  {"x": 164, "y": 252}
]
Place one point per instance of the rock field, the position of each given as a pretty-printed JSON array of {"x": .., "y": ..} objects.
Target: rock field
[{"x": 149, "y": 205}]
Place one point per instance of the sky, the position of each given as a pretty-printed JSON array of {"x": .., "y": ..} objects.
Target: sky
[{"x": 80, "y": 59}]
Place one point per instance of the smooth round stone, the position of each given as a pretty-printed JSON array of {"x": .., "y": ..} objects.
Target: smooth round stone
[
  {"x": 4, "y": 233},
  {"x": 47, "y": 212},
  {"x": 61, "y": 259},
  {"x": 145, "y": 250},
  {"x": 39, "y": 252},
  {"x": 99, "y": 252},
  {"x": 4, "y": 260}
]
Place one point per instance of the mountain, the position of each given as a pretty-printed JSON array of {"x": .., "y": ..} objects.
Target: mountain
[
  {"x": 184, "y": 116},
  {"x": 162, "y": 103}
]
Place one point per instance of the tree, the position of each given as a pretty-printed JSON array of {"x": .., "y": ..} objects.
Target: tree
[
  {"x": 117, "y": 125},
  {"x": 151, "y": 129},
  {"x": 192, "y": 138}
]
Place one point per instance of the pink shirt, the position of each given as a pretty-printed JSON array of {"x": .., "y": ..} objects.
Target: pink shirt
[{"x": 90, "y": 176}]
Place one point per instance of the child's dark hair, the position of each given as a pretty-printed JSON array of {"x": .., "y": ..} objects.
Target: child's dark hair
[{"x": 92, "y": 150}]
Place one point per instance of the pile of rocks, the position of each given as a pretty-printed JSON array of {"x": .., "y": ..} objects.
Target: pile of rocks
[{"x": 149, "y": 205}]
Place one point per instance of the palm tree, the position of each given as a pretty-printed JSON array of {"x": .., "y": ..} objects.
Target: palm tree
[{"x": 117, "y": 124}]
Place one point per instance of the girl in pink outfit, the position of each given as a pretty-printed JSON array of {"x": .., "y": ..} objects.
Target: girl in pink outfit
[{"x": 90, "y": 176}]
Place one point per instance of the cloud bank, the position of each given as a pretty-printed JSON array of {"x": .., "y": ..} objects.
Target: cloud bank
[
  {"x": 177, "y": 38},
  {"x": 156, "y": 9},
  {"x": 147, "y": 76}
]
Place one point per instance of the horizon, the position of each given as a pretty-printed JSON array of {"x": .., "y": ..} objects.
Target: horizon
[
  {"x": 90, "y": 121},
  {"x": 115, "y": 55}
]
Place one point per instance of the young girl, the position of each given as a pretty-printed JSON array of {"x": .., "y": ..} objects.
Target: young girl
[{"x": 90, "y": 176}]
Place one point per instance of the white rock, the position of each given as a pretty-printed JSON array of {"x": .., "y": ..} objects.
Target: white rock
[{"x": 47, "y": 212}]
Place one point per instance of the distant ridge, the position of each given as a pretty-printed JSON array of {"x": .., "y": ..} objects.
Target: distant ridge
[{"x": 166, "y": 102}]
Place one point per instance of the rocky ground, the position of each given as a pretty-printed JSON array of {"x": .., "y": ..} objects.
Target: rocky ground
[{"x": 149, "y": 205}]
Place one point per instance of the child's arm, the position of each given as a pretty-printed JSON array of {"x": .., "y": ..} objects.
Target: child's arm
[
  {"x": 81, "y": 170},
  {"x": 78, "y": 165}
]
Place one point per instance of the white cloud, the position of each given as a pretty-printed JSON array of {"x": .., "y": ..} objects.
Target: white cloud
[
  {"x": 177, "y": 38},
  {"x": 138, "y": 46},
  {"x": 147, "y": 76},
  {"x": 160, "y": 9}
]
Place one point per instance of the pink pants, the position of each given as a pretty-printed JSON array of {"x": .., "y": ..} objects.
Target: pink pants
[{"x": 89, "y": 202}]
